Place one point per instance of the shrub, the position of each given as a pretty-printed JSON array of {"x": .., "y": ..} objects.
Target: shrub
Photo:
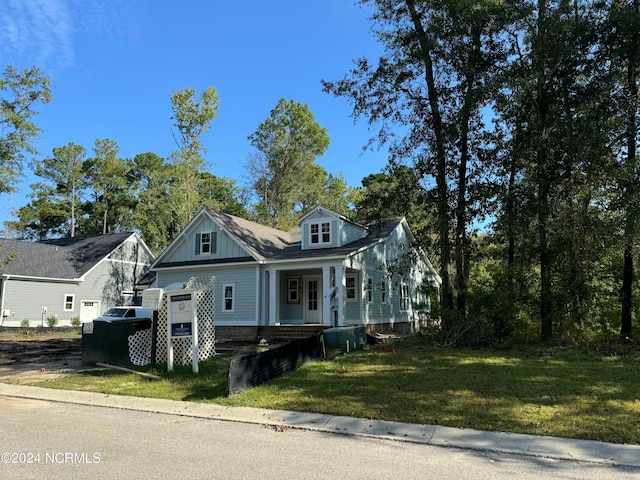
[
  {"x": 52, "y": 320},
  {"x": 24, "y": 323},
  {"x": 75, "y": 321}
]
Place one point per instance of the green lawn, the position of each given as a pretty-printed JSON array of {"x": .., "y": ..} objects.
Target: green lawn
[{"x": 553, "y": 392}]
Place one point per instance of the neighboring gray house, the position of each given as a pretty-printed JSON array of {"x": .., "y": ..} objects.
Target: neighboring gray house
[
  {"x": 330, "y": 271},
  {"x": 70, "y": 277}
]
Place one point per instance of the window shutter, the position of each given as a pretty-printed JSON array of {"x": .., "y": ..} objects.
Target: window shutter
[
  {"x": 214, "y": 241},
  {"x": 197, "y": 244}
]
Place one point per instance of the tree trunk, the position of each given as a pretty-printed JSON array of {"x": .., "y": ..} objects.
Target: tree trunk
[
  {"x": 631, "y": 188},
  {"x": 462, "y": 253},
  {"x": 446, "y": 299},
  {"x": 543, "y": 174},
  {"x": 511, "y": 229}
]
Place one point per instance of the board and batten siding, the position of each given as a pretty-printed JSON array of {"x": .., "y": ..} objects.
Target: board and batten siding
[
  {"x": 226, "y": 247},
  {"x": 244, "y": 280}
]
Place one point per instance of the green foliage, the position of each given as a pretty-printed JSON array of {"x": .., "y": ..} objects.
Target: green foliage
[
  {"x": 52, "y": 320},
  {"x": 24, "y": 323},
  {"x": 19, "y": 93},
  {"x": 397, "y": 193},
  {"x": 192, "y": 117},
  {"x": 284, "y": 175},
  {"x": 110, "y": 178},
  {"x": 75, "y": 322},
  {"x": 65, "y": 172}
]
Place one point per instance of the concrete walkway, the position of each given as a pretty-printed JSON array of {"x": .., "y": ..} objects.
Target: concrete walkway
[{"x": 537, "y": 446}]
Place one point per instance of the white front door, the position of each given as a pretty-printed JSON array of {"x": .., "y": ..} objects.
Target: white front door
[
  {"x": 313, "y": 300},
  {"x": 89, "y": 310}
]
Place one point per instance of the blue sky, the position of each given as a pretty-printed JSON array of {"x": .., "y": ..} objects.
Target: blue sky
[{"x": 115, "y": 63}]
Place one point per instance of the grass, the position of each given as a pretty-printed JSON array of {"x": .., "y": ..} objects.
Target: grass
[
  {"x": 35, "y": 333},
  {"x": 554, "y": 392}
]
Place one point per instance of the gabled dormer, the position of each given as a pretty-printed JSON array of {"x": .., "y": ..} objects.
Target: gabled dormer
[{"x": 324, "y": 228}]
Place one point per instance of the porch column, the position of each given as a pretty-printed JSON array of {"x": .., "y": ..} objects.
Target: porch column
[
  {"x": 326, "y": 300},
  {"x": 273, "y": 297},
  {"x": 341, "y": 285}
]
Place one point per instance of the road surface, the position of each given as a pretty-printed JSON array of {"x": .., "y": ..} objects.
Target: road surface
[{"x": 50, "y": 440}]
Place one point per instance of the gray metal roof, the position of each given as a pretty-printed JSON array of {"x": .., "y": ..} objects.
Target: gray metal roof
[{"x": 66, "y": 258}]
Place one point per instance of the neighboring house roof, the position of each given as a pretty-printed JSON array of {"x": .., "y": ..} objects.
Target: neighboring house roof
[{"x": 63, "y": 258}]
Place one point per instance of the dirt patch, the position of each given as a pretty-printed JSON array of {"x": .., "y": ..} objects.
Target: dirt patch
[
  {"x": 39, "y": 349},
  {"x": 39, "y": 357},
  {"x": 42, "y": 356}
]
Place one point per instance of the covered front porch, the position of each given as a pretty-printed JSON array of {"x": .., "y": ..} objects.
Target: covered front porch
[{"x": 313, "y": 295}]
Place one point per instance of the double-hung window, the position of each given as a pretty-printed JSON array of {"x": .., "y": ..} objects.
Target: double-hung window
[
  {"x": 321, "y": 233},
  {"x": 205, "y": 243},
  {"x": 352, "y": 291},
  {"x": 383, "y": 292},
  {"x": 228, "y": 297},
  {"x": 369, "y": 290},
  {"x": 69, "y": 301},
  {"x": 293, "y": 290},
  {"x": 405, "y": 300}
]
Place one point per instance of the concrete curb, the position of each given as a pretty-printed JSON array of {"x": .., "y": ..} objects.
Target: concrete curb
[{"x": 512, "y": 443}]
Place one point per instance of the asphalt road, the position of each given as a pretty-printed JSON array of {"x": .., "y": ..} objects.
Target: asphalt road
[{"x": 51, "y": 440}]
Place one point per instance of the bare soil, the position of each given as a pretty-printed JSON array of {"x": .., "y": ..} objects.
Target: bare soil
[
  {"x": 39, "y": 356},
  {"x": 43, "y": 355}
]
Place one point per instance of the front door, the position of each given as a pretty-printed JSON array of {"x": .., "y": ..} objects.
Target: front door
[{"x": 313, "y": 300}]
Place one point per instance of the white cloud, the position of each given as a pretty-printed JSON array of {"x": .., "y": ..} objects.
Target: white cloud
[
  {"x": 36, "y": 32},
  {"x": 44, "y": 32}
]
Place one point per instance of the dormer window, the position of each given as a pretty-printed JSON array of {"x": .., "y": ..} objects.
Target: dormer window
[{"x": 320, "y": 233}]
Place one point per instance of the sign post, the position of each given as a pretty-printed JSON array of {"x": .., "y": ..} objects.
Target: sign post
[
  {"x": 182, "y": 322},
  {"x": 152, "y": 300}
]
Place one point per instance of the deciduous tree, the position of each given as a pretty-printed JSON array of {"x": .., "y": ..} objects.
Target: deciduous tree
[{"x": 192, "y": 117}]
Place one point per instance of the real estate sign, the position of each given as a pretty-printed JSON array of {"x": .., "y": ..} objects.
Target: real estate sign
[{"x": 182, "y": 322}]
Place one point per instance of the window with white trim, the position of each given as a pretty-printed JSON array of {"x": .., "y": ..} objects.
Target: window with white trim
[
  {"x": 228, "y": 297},
  {"x": 369, "y": 290},
  {"x": 405, "y": 300},
  {"x": 351, "y": 290},
  {"x": 205, "y": 243},
  {"x": 293, "y": 290},
  {"x": 320, "y": 233},
  {"x": 69, "y": 301},
  {"x": 383, "y": 292}
]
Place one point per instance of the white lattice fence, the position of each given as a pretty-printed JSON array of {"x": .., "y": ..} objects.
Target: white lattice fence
[{"x": 183, "y": 347}]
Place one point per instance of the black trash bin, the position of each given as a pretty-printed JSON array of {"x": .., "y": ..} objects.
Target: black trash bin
[{"x": 108, "y": 341}]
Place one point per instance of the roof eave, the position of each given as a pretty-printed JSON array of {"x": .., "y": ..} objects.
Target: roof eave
[{"x": 33, "y": 278}]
